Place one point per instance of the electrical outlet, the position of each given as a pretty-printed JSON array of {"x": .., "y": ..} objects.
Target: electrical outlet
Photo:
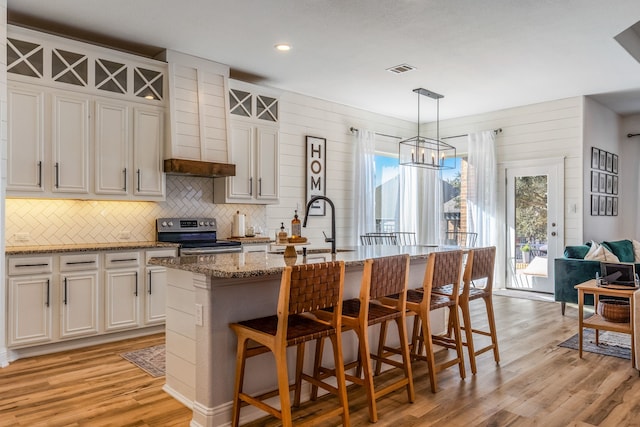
[
  {"x": 199, "y": 320},
  {"x": 22, "y": 237},
  {"x": 124, "y": 235}
]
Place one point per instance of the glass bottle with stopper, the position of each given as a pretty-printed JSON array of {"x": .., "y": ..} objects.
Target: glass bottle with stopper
[
  {"x": 282, "y": 235},
  {"x": 296, "y": 226}
]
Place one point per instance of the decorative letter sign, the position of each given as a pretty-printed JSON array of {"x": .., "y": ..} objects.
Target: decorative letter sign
[{"x": 316, "y": 177}]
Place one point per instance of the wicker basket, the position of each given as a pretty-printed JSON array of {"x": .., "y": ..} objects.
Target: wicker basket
[{"x": 614, "y": 310}]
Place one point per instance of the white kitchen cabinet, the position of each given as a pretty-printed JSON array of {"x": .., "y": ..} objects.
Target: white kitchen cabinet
[
  {"x": 155, "y": 297},
  {"x": 70, "y": 143},
  {"x": 112, "y": 148},
  {"x": 25, "y": 137},
  {"x": 78, "y": 301},
  {"x": 122, "y": 290},
  {"x": 267, "y": 160},
  {"x": 148, "y": 124},
  {"x": 128, "y": 161},
  {"x": 254, "y": 149},
  {"x": 85, "y": 122},
  {"x": 156, "y": 288},
  {"x": 30, "y": 300}
]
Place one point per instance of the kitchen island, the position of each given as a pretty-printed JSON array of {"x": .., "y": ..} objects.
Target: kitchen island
[{"x": 205, "y": 293}]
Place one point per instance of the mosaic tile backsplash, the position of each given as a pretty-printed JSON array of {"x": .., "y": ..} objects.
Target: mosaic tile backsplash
[{"x": 60, "y": 222}]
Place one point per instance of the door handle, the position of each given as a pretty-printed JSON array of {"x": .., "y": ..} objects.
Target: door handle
[{"x": 553, "y": 233}]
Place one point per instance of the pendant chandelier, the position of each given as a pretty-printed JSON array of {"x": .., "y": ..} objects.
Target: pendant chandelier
[{"x": 426, "y": 152}]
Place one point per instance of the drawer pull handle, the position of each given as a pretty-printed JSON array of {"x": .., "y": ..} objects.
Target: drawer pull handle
[
  {"x": 32, "y": 265},
  {"x": 124, "y": 260},
  {"x": 80, "y": 262}
]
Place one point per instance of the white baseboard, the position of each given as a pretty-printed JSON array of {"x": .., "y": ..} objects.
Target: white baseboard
[{"x": 20, "y": 353}]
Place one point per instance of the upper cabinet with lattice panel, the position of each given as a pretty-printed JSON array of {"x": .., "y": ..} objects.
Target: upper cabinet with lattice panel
[
  {"x": 54, "y": 61},
  {"x": 250, "y": 101}
]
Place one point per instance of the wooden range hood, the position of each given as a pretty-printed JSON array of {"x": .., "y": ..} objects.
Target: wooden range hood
[{"x": 198, "y": 168}]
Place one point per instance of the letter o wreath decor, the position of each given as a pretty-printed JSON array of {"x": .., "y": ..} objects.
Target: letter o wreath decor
[{"x": 316, "y": 173}]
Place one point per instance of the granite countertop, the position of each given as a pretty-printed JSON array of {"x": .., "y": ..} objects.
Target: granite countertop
[
  {"x": 239, "y": 265},
  {"x": 85, "y": 247}
]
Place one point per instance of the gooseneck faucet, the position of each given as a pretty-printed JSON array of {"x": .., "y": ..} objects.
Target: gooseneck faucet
[{"x": 331, "y": 239}]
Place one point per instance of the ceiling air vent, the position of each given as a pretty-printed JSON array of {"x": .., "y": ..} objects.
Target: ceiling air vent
[{"x": 402, "y": 68}]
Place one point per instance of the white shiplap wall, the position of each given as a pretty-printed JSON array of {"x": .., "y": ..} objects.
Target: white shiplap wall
[
  {"x": 545, "y": 130},
  {"x": 300, "y": 116},
  {"x": 538, "y": 131}
]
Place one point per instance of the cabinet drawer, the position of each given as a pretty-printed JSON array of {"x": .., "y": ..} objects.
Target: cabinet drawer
[
  {"x": 78, "y": 262},
  {"x": 161, "y": 253},
  {"x": 121, "y": 259},
  {"x": 30, "y": 265}
]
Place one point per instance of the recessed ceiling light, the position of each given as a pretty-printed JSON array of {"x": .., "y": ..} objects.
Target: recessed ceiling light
[{"x": 283, "y": 47}]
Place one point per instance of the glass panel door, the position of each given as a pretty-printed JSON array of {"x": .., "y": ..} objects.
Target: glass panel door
[{"x": 533, "y": 227}]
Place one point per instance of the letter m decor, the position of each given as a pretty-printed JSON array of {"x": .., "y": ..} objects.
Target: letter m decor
[{"x": 316, "y": 176}]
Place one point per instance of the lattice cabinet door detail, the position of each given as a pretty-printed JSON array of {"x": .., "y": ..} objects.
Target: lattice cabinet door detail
[{"x": 34, "y": 57}]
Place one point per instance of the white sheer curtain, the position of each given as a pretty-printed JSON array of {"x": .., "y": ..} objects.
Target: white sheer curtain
[
  {"x": 421, "y": 203},
  {"x": 364, "y": 219},
  {"x": 482, "y": 187}
]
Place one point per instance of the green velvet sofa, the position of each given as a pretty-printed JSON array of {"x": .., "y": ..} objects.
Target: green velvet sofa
[{"x": 573, "y": 269}]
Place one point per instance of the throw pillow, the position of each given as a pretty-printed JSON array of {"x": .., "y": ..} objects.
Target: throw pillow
[
  {"x": 600, "y": 253},
  {"x": 623, "y": 249},
  {"x": 636, "y": 250},
  {"x": 579, "y": 251}
]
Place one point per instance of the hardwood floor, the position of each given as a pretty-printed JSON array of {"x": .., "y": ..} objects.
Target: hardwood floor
[{"x": 536, "y": 383}]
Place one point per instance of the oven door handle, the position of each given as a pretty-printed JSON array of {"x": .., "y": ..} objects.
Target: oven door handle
[{"x": 205, "y": 251}]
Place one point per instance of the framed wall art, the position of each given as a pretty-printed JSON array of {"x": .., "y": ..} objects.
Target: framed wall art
[
  {"x": 595, "y": 181},
  {"x": 604, "y": 182},
  {"x": 595, "y": 158},
  {"x": 594, "y": 204},
  {"x": 316, "y": 173},
  {"x": 602, "y": 205}
]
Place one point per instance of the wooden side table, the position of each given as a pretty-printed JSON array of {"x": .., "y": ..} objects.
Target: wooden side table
[{"x": 596, "y": 321}]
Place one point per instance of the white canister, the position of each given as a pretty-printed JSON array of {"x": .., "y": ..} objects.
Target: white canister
[{"x": 238, "y": 225}]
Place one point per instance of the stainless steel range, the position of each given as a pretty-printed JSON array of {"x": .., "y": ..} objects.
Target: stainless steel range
[{"x": 196, "y": 236}]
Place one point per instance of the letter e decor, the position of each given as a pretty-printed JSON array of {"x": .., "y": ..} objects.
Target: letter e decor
[{"x": 316, "y": 176}]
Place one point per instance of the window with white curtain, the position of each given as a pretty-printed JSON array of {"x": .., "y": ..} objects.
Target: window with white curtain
[{"x": 387, "y": 192}]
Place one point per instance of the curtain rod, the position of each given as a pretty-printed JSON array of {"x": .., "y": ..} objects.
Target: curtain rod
[
  {"x": 352, "y": 129},
  {"x": 496, "y": 131},
  {"x": 631, "y": 135}
]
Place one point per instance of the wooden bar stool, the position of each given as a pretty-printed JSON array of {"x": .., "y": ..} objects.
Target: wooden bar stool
[
  {"x": 443, "y": 268},
  {"x": 304, "y": 289},
  {"x": 381, "y": 277},
  {"x": 480, "y": 267}
]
